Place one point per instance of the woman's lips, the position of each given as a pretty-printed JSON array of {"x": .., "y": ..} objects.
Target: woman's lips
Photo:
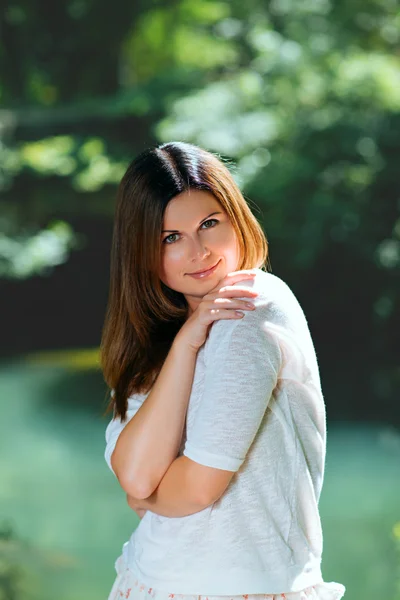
[{"x": 204, "y": 273}]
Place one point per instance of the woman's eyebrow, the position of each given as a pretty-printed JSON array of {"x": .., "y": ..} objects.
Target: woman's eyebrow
[{"x": 218, "y": 212}]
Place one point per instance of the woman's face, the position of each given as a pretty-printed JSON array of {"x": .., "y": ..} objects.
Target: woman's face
[{"x": 194, "y": 239}]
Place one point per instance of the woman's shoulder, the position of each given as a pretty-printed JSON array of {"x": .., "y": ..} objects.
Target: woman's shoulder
[
  {"x": 277, "y": 308},
  {"x": 271, "y": 304},
  {"x": 273, "y": 293}
]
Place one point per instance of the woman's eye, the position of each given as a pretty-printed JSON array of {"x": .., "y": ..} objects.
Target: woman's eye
[
  {"x": 165, "y": 240},
  {"x": 209, "y": 221}
]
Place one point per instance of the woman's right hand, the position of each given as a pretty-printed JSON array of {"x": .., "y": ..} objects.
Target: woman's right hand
[{"x": 221, "y": 302}]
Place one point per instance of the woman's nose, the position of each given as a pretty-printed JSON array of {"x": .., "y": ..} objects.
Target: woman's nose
[{"x": 198, "y": 248}]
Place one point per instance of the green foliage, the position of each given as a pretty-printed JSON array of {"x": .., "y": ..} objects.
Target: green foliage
[
  {"x": 18, "y": 575},
  {"x": 302, "y": 97},
  {"x": 396, "y": 537},
  {"x": 26, "y": 571},
  {"x": 36, "y": 253},
  {"x": 86, "y": 161}
]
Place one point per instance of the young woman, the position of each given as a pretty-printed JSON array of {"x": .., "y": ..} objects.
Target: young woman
[{"x": 218, "y": 434}]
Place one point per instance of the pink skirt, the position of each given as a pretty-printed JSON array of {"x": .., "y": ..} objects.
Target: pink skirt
[{"x": 126, "y": 585}]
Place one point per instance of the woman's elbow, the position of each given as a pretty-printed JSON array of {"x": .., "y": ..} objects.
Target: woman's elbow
[{"x": 129, "y": 482}]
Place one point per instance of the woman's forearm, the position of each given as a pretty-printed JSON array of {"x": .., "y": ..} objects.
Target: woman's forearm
[
  {"x": 174, "y": 496},
  {"x": 150, "y": 442}
]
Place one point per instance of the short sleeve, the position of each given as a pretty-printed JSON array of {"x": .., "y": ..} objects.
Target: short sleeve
[
  {"x": 115, "y": 426},
  {"x": 243, "y": 360}
]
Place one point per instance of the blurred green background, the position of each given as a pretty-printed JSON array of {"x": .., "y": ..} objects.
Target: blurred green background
[{"x": 304, "y": 99}]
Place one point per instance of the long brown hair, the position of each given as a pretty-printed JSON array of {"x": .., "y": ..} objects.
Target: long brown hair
[{"x": 143, "y": 315}]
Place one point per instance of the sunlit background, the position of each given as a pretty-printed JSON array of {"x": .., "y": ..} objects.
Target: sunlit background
[{"x": 303, "y": 99}]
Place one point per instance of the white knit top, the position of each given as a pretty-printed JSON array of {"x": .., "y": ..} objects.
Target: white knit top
[{"x": 256, "y": 408}]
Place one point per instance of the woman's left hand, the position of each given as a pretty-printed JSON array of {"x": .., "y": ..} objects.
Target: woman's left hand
[{"x": 136, "y": 506}]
